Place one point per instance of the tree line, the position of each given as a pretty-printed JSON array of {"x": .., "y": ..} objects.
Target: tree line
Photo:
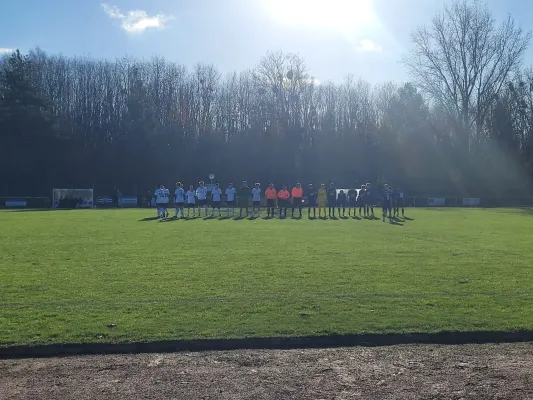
[{"x": 463, "y": 125}]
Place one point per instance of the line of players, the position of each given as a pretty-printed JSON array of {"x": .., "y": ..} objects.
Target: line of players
[{"x": 364, "y": 200}]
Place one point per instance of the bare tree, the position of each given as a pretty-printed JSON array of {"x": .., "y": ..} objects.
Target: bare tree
[
  {"x": 463, "y": 59},
  {"x": 140, "y": 122}
]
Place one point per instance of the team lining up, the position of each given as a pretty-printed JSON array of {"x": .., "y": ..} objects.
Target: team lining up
[{"x": 321, "y": 198}]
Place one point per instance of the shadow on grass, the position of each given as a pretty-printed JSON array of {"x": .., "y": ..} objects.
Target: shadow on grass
[
  {"x": 284, "y": 343},
  {"x": 169, "y": 219},
  {"x": 41, "y": 209},
  {"x": 173, "y": 219},
  {"x": 149, "y": 219}
]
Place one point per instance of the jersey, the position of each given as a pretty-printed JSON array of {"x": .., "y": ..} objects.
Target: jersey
[
  {"x": 230, "y": 194},
  {"x": 311, "y": 196},
  {"x": 191, "y": 197},
  {"x": 341, "y": 198},
  {"x": 352, "y": 194},
  {"x": 179, "y": 195},
  {"x": 217, "y": 194},
  {"x": 256, "y": 194},
  {"x": 201, "y": 193},
  {"x": 244, "y": 192},
  {"x": 332, "y": 194},
  {"x": 284, "y": 194},
  {"x": 297, "y": 192},
  {"x": 386, "y": 197},
  {"x": 271, "y": 194},
  {"x": 162, "y": 196}
]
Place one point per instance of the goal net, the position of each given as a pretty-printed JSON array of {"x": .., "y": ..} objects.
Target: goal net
[{"x": 72, "y": 198}]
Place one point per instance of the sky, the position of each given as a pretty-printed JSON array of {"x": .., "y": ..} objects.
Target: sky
[{"x": 364, "y": 38}]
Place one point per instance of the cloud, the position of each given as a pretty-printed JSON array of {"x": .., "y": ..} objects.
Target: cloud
[
  {"x": 5, "y": 50},
  {"x": 369, "y": 46},
  {"x": 136, "y": 21}
]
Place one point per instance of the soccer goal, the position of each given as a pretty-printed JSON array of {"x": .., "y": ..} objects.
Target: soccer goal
[{"x": 72, "y": 198}]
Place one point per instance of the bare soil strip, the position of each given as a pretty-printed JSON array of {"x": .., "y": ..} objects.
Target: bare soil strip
[{"x": 489, "y": 371}]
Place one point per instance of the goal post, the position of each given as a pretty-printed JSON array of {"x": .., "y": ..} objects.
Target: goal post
[{"x": 72, "y": 198}]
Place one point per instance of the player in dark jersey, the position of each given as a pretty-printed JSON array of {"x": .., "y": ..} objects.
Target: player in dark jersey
[
  {"x": 341, "y": 203},
  {"x": 386, "y": 202},
  {"x": 352, "y": 201},
  {"x": 332, "y": 199},
  {"x": 370, "y": 200},
  {"x": 361, "y": 200},
  {"x": 398, "y": 194},
  {"x": 400, "y": 203},
  {"x": 391, "y": 203},
  {"x": 394, "y": 202},
  {"x": 311, "y": 200}
]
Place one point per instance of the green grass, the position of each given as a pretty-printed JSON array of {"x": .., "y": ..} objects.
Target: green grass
[{"x": 66, "y": 275}]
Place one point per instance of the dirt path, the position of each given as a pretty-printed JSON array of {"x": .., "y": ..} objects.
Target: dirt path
[{"x": 396, "y": 372}]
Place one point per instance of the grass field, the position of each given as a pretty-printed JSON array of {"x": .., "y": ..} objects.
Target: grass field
[{"x": 67, "y": 275}]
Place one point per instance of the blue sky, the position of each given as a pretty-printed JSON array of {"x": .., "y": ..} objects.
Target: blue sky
[{"x": 335, "y": 37}]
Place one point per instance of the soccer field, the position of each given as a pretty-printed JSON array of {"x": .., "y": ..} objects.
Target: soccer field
[{"x": 119, "y": 276}]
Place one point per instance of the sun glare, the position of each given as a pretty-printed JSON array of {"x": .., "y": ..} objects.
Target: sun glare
[{"x": 346, "y": 16}]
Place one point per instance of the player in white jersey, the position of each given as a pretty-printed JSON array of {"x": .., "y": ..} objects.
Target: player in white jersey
[
  {"x": 216, "y": 198},
  {"x": 201, "y": 193},
  {"x": 191, "y": 201},
  {"x": 179, "y": 199},
  {"x": 162, "y": 196},
  {"x": 230, "y": 198},
  {"x": 256, "y": 198}
]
